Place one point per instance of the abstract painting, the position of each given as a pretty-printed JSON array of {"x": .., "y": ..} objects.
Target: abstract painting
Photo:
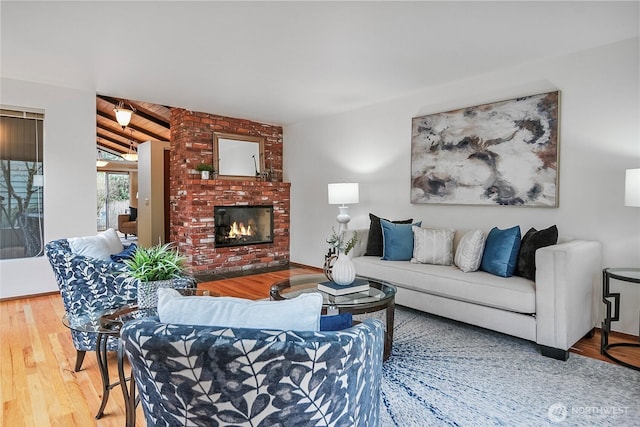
[{"x": 503, "y": 153}]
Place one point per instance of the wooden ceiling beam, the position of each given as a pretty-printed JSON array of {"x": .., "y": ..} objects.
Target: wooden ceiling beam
[
  {"x": 123, "y": 134},
  {"x": 139, "y": 112},
  {"x": 110, "y": 139}
]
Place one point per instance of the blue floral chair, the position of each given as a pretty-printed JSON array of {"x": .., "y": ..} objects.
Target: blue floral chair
[
  {"x": 210, "y": 376},
  {"x": 88, "y": 287}
]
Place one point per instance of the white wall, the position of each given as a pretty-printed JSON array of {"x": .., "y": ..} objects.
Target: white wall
[
  {"x": 151, "y": 192},
  {"x": 599, "y": 139},
  {"x": 69, "y": 176}
]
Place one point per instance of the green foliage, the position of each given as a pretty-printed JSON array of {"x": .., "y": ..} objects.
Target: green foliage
[
  {"x": 160, "y": 262},
  {"x": 204, "y": 167},
  {"x": 339, "y": 242}
]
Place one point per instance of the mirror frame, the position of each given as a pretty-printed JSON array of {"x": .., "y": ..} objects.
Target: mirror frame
[{"x": 242, "y": 138}]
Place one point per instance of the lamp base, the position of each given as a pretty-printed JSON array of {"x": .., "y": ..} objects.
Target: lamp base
[{"x": 343, "y": 218}]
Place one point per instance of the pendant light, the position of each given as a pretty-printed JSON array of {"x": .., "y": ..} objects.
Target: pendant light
[
  {"x": 123, "y": 114},
  {"x": 100, "y": 161},
  {"x": 131, "y": 155}
]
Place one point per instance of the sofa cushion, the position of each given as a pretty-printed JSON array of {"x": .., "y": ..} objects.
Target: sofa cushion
[
  {"x": 501, "y": 251},
  {"x": 515, "y": 293},
  {"x": 133, "y": 213},
  {"x": 432, "y": 246},
  {"x": 301, "y": 313},
  {"x": 531, "y": 242},
  {"x": 374, "y": 241},
  {"x": 469, "y": 251},
  {"x": 100, "y": 246},
  {"x": 397, "y": 240}
]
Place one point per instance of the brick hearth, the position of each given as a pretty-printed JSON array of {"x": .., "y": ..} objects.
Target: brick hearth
[{"x": 192, "y": 225}]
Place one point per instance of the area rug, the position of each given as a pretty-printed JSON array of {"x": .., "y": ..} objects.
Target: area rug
[{"x": 446, "y": 373}]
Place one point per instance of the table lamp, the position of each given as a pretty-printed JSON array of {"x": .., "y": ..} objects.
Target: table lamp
[{"x": 342, "y": 194}]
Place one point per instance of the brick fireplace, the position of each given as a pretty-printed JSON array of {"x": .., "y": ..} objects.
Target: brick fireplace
[{"x": 193, "y": 200}]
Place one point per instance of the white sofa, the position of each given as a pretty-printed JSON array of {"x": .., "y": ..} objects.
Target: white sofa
[{"x": 555, "y": 311}]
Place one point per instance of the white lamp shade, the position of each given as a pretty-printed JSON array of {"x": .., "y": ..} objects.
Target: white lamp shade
[
  {"x": 123, "y": 116},
  {"x": 632, "y": 188},
  {"x": 130, "y": 157},
  {"x": 343, "y": 193}
]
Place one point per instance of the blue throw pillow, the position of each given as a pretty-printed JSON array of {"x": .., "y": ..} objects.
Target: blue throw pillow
[
  {"x": 127, "y": 253},
  {"x": 397, "y": 240},
  {"x": 501, "y": 251},
  {"x": 336, "y": 322}
]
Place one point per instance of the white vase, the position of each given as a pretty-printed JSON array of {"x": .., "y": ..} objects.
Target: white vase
[
  {"x": 343, "y": 271},
  {"x": 204, "y": 174}
]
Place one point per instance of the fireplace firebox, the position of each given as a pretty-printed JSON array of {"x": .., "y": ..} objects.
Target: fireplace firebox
[{"x": 243, "y": 225}]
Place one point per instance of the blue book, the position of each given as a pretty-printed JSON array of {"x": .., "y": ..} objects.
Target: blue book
[{"x": 330, "y": 287}]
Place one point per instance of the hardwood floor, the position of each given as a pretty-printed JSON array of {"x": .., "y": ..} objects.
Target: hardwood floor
[{"x": 39, "y": 388}]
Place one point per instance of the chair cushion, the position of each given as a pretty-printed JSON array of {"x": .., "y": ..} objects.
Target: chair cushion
[
  {"x": 101, "y": 246},
  {"x": 127, "y": 253},
  {"x": 336, "y": 322},
  {"x": 298, "y": 314}
]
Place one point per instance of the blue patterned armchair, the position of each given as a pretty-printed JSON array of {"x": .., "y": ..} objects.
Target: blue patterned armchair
[
  {"x": 88, "y": 287},
  {"x": 210, "y": 376}
]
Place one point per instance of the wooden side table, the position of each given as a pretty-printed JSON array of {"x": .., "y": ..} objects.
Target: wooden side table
[{"x": 631, "y": 275}]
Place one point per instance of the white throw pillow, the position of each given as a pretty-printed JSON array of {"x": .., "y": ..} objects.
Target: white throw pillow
[
  {"x": 101, "y": 246},
  {"x": 297, "y": 314},
  {"x": 469, "y": 252},
  {"x": 432, "y": 246}
]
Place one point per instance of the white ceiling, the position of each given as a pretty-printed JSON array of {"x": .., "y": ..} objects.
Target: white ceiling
[{"x": 284, "y": 62}]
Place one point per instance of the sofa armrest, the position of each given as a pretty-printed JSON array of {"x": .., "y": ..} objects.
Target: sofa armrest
[
  {"x": 361, "y": 245},
  {"x": 567, "y": 280}
]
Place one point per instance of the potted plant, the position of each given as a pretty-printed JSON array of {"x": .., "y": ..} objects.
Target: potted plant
[
  {"x": 155, "y": 267},
  {"x": 205, "y": 170}
]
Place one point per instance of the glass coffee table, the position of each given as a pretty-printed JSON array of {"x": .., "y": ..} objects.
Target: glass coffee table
[{"x": 380, "y": 296}]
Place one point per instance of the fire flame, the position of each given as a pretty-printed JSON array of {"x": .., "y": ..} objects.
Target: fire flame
[{"x": 239, "y": 230}]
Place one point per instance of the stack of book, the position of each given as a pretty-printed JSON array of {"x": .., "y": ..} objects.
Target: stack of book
[{"x": 330, "y": 287}]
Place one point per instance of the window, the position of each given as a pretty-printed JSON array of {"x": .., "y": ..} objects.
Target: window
[{"x": 21, "y": 183}]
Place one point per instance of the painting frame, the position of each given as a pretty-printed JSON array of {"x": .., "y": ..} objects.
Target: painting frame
[{"x": 502, "y": 153}]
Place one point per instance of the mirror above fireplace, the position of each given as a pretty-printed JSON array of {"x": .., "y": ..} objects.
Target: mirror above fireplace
[{"x": 238, "y": 156}]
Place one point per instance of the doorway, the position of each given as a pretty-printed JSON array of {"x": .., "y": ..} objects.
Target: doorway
[{"x": 113, "y": 198}]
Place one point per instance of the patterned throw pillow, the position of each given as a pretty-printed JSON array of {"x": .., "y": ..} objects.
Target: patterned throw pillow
[
  {"x": 501, "y": 251},
  {"x": 432, "y": 246},
  {"x": 469, "y": 251}
]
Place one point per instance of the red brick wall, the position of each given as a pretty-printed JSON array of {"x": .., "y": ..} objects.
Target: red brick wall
[{"x": 192, "y": 199}]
